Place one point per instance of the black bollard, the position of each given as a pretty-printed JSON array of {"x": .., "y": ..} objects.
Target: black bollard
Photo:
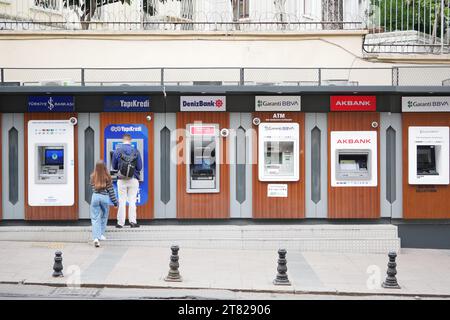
[
  {"x": 174, "y": 273},
  {"x": 391, "y": 280},
  {"x": 282, "y": 277},
  {"x": 58, "y": 266}
]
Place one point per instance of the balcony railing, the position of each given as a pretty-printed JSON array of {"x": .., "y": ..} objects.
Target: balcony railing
[
  {"x": 408, "y": 26},
  {"x": 198, "y": 15},
  {"x": 227, "y": 76},
  {"x": 395, "y": 26}
]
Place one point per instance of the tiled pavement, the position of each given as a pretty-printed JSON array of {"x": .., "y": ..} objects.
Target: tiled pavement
[{"x": 420, "y": 272}]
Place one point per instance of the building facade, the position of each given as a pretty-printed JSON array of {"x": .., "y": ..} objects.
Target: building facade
[{"x": 298, "y": 114}]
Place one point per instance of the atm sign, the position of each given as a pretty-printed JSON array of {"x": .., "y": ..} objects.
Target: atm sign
[
  {"x": 353, "y": 103},
  {"x": 203, "y": 130}
]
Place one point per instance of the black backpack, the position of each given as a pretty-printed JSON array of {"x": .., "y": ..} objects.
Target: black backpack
[{"x": 127, "y": 164}]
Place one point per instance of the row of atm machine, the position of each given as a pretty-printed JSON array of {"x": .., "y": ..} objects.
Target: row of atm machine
[
  {"x": 240, "y": 166},
  {"x": 353, "y": 156}
]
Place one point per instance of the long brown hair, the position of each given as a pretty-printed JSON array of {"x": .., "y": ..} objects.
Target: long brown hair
[{"x": 100, "y": 178}]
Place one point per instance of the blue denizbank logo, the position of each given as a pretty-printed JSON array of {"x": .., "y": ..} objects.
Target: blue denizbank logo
[
  {"x": 126, "y": 103},
  {"x": 51, "y": 104}
]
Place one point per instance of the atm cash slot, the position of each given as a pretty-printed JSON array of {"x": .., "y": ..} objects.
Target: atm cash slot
[{"x": 353, "y": 165}]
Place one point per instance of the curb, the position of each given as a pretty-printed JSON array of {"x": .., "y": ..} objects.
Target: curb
[{"x": 293, "y": 291}]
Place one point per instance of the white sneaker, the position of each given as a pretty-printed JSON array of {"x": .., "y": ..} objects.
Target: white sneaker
[
  {"x": 103, "y": 238},
  {"x": 96, "y": 243}
]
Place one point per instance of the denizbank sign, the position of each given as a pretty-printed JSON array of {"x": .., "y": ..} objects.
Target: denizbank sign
[
  {"x": 203, "y": 103},
  {"x": 426, "y": 104},
  {"x": 278, "y": 103}
]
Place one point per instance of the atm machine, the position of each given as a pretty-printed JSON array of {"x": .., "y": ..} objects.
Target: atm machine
[
  {"x": 278, "y": 151},
  {"x": 112, "y": 139},
  {"x": 428, "y": 155},
  {"x": 202, "y": 169},
  {"x": 51, "y": 163},
  {"x": 353, "y": 158}
]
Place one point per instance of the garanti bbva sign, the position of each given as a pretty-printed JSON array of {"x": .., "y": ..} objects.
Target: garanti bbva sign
[
  {"x": 277, "y": 103},
  {"x": 425, "y": 104}
]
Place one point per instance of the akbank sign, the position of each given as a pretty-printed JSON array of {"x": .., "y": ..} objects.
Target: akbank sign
[
  {"x": 51, "y": 104},
  {"x": 203, "y": 103},
  {"x": 425, "y": 104},
  {"x": 277, "y": 103},
  {"x": 353, "y": 103},
  {"x": 126, "y": 103}
]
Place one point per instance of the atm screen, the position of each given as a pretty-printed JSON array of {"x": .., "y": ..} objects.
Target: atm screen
[
  {"x": 273, "y": 154},
  {"x": 202, "y": 160},
  {"x": 117, "y": 144},
  {"x": 426, "y": 160},
  {"x": 205, "y": 164},
  {"x": 54, "y": 157},
  {"x": 278, "y": 152}
]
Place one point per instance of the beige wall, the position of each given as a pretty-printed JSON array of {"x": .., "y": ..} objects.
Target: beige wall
[{"x": 343, "y": 49}]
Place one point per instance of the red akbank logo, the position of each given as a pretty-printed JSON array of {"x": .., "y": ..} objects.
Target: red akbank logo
[
  {"x": 353, "y": 141},
  {"x": 353, "y": 103}
]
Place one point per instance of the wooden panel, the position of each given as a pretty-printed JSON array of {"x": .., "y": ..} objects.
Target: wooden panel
[
  {"x": 423, "y": 202},
  {"x": 46, "y": 212},
  {"x": 353, "y": 202},
  {"x": 293, "y": 206},
  {"x": 107, "y": 118},
  {"x": 1, "y": 170},
  {"x": 202, "y": 205}
]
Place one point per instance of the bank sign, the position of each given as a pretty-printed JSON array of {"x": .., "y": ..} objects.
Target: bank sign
[
  {"x": 203, "y": 103},
  {"x": 353, "y": 103},
  {"x": 425, "y": 104},
  {"x": 51, "y": 104},
  {"x": 126, "y": 103},
  {"x": 277, "y": 103}
]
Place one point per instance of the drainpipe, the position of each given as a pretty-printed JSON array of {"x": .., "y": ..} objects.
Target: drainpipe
[{"x": 442, "y": 26}]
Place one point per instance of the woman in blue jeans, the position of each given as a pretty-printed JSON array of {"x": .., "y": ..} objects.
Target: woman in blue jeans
[{"x": 103, "y": 192}]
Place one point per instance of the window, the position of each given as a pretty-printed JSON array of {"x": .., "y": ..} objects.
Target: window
[
  {"x": 150, "y": 7},
  {"x": 240, "y": 9},
  {"x": 187, "y": 9},
  {"x": 54, "y": 5},
  {"x": 307, "y": 6}
]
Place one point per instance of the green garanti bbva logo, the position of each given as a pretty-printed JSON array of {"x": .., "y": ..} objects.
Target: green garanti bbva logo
[
  {"x": 410, "y": 104},
  {"x": 260, "y": 103}
]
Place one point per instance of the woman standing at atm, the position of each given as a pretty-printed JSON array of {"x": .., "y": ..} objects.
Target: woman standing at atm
[{"x": 103, "y": 192}]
